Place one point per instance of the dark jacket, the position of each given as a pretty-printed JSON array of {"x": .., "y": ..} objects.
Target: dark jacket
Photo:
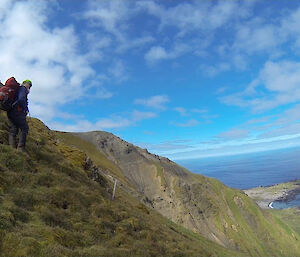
[{"x": 21, "y": 102}]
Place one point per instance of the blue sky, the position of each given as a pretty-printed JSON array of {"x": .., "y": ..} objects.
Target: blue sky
[{"x": 184, "y": 79}]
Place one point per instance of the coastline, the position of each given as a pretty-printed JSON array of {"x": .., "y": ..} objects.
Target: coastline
[{"x": 265, "y": 196}]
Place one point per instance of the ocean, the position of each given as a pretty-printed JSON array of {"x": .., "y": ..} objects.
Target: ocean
[
  {"x": 287, "y": 204},
  {"x": 250, "y": 170}
]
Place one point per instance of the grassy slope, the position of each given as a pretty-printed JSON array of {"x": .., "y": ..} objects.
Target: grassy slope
[
  {"x": 50, "y": 207},
  {"x": 252, "y": 229},
  {"x": 98, "y": 158},
  {"x": 233, "y": 215},
  {"x": 291, "y": 216}
]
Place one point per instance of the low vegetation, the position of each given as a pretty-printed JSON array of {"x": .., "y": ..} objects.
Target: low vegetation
[
  {"x": 204, "y": 205},
  {"x": 50, "y": 206},
  {"x": 55, "y": 202},
  {"x": 290, "y": 216}
]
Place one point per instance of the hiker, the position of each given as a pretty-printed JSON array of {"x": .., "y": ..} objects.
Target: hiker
[{"x": 17, "y": 116}]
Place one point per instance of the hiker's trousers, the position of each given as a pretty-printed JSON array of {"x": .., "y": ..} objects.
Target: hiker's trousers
[{"x": 17, "y": 121}]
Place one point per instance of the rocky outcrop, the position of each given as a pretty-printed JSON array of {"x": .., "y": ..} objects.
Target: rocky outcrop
[{"x": 94, "y": 172}]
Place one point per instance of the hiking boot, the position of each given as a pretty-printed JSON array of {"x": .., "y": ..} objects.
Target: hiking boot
[
  {"x": 12, "y": 141},
  {"x": 22, "y": 140}
]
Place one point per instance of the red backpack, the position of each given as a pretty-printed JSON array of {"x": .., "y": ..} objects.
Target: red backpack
[{"x": 8, "y": 93}]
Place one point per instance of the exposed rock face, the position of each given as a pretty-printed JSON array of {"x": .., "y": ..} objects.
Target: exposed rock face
[
  {"x": 156, "y": 179},
  {"x": 95, "y": 173},
  {"x": 204, "y": 205}
]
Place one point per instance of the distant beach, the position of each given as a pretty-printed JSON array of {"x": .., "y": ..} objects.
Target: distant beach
[{"x": 265, "y": 197}]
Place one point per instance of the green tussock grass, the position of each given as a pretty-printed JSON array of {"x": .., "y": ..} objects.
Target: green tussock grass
[
  {"x": 236, "y": 216},
  {"x": 280, "y": 187},
  {"x": 290, "y": 216},
  {"x": 49, "y": 206},
  {"x": 91, "y": 150},
  {"x": 269, "y": 231}
]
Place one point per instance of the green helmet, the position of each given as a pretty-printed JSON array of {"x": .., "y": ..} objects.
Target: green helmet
[{"x": 27, "y": 81}]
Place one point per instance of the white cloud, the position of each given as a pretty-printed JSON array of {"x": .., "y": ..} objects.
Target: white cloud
[
  {"x": 49, "y": 57},
  {"x": 237, "y": 148},
  {"x": 135, "y": 43},
  {"x": 203, "y": 114},
  {"x": 195, "y": 22},
  {"x": 201, "y": 111},
  {"x": 4, "y": 6},
  {"x": 110, "y": 15},
  {"x": 157, "y": 102},
  {"x": 97, "y": 45},
  {"x": 282, "y": 124},
  {"x": 265, "y": 35},
  {"x": 212, "y": 71},
  {"x": 290, "y": 27},
  {"x": 119, "y": 72},
  {"x": 101, "y": 93},
  {"x": 111, "y": 123},
  {"x": 189, "y": 123},
  {"x": 290, "y": 129},
  {"x": 182, "y": 111},
  {"x": 157, "y": 53},
  {"x": 166, "y": 146},
  {"x": 234, "y": 134},
  {"x": 257, "y": 134},
  {"x": 86, "y": 125},
  {"x": 114, "y": 17},
  {"x": 195, "y": 15},
  {"x": 257, "y": 36},
  {"x": 138, "y": 116},
  {"x": 239, "y": 61},
  {"x": 290, "y": 115},
  {"x": 274, "y": 130},
  {"x": 258, "y": 120},
  {"x": 280, "y": 79},
  {"x": 221, "y": 90}
]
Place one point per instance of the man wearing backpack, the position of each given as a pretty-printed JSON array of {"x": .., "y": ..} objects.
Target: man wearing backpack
[{"x": 17, "y": 116}]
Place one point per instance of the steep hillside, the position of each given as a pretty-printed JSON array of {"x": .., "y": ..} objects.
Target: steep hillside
[
  {"x": 291, "y": 216},
  {"x": 55, "y": 202},
  {"x": 204, "y": 205}
]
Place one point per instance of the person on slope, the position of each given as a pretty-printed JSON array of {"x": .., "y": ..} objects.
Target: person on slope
[{"x": 17, "y": 116}]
